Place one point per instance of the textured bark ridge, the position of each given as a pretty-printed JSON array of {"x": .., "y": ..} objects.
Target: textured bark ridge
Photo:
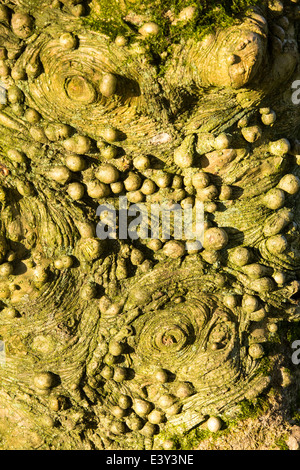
[{"x": 125, "y": 344}]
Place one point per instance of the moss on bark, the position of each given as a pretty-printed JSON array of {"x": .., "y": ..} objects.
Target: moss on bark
[{"x": 135, "y": 343}]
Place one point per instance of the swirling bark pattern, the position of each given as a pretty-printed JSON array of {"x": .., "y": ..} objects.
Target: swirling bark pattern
[{"x": 126, "y": 344}]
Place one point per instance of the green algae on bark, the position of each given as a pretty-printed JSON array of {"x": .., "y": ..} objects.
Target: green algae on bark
[{"x": 120, "y": 344}]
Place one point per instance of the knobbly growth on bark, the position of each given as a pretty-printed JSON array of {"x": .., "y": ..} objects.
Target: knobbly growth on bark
[{"x": 131, "y": 343}]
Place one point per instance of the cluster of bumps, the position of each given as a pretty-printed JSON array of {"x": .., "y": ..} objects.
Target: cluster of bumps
[{"x": 130, "y": 344}]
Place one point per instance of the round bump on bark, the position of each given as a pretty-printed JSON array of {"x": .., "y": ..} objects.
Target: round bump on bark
[
  {"x": 258, "y": 315},
  {"x": 97, "y": 190},
  {"x": 269, "y": 119},
  {"x": 274, "y": 199},
  {"x": 263, "y": 285},
  {"x": 280, "y": 278},
  {"x": 75, "y": 163},
  {"x": 136, "y": 257},
  {"x": 272, "y": 327},
  {"x": 265, "y": 111},
  {"x": 173, "y": 410},
  {"x": 225, "y": 193},
  {"x": 149, "y": 29},
  {"x": 4, "y": 71},
  {"x": 280, "y": 147},
  {"x": 107, "y": 372},
  {"x": 120, "y": 374},
  {"x": 34, "y": 69},
  {"x": 65, "y": 262},
  {"x": 78, "y": 144},
  {"x": 133, "y": 182},
  {"x": 141, "y": 163},
  {"x": 252, "y": 134},
  {"x": 178, "y": 140},
  {"x": 154, "y": 244},
  {"x": 277, "y": 244},
  {"x": 256, "y": 351},
  {"x": 38, "y": 134},
  {"x": 58, "y": 131},
  {"x": 125, "y": 402},
  {"x": 118, "y": 428},
  {"x": 184, "y": 390},
  {"x": 17, "y": 156},
  {"x": 215, "y": 239},
  {"x": 6, "y": 269},
  {"x": 32, "y": 116},
  {"x": 243, "y": 122},
  {"x": 276, "y": 224},
  {"x": 18, "y": 73},
  {"x": 15, "y": 95},
  {"x": 111, "y": 134},
  {"x": 161, "y": 376},
  {"x": 209, "y": 193},
  {"x": 210, "y": 207},
  {"x": 88, "y": 292},
  {"x": 174, "y": 249},
  {"x": 68, "y": 41},
  {"x": 166, "y": 401},
  {"x": 117, "y": 187},
  {"x": 135, "y": 423},
  {"x": 250, "y": 303},
  {"x": 76, "y": 191},
  {"x": 121, "y": 41},
  {"x": 10, "y": 313},
  {"x": 108, "y": 85},
  {"x": 22, "y": 25},
  {"x": 256, "y": 270},
  {"x": 231, "y": 301},
  {"x": 61, "y": 174},
  {"x": 57, "y": 403},
  {"x": 200, "y": 180},
  {"x": 149, "y": 430},
  {"x": 148, "y": 187},
  {"x": 108, "y": 174},
  {"x": 118, "y": 412},
  {"x": 109, "y": 152},
  {"x": 156, "y": 417},
  {"x": 222, "y": 141},
  {"x": 290, "y": 184},
  {"x": 44, "y": 380},
  {"x": 115, "y": 348},
  {"x": 214, "y": 424},
  {"x": 168, "y": 444},
  {"x": 142, "y": 407},
  {"x": 163, "y": 179},
  {"x": 184, "y": 155}
]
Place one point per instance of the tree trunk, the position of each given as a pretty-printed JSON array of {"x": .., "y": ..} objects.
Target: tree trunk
[{"x": 129, "y": 341}]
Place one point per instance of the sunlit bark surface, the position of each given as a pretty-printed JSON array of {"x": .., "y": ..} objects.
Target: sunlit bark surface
[{"x": 129, "y": 344}]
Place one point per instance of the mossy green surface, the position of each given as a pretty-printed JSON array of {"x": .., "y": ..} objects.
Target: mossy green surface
[
  {"x": 208, "y": 17},
  {"x": 59, "y": 329}
]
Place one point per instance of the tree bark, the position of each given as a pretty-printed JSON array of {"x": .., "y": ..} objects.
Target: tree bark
[{"x": 125, "y": 343}]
